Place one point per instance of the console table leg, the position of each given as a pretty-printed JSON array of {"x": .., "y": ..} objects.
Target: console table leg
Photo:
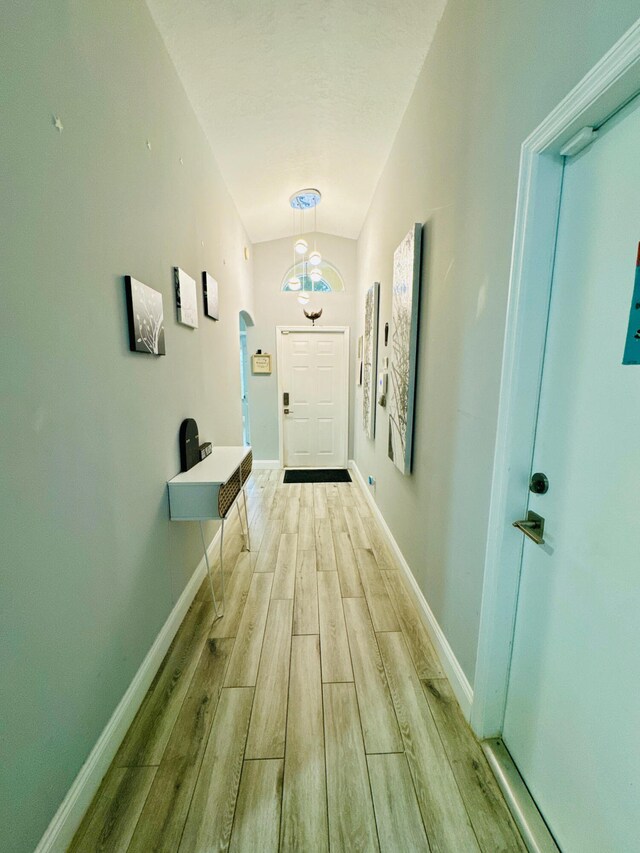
[
  {"x": 206, "y": 558},
  {"x": 246, "y": 515},
  {"x": 240, "y": 520},
  {"x": 222, "y": 565}
]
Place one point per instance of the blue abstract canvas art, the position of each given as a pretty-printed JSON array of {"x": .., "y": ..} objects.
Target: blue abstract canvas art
[{"x": 632, "y": 346}]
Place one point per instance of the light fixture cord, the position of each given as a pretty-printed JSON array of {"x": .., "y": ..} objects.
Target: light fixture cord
[{"x": 303, "y": 258}]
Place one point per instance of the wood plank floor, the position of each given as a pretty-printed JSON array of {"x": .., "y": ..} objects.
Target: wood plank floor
[{"x": 313, "y": 716}]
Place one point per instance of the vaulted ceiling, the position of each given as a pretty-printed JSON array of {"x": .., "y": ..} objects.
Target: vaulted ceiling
[{"x": 296, "y": 94}]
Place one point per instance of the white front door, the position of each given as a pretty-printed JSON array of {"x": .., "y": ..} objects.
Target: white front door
[
  {"x": 313, "y": 372},
  {"x": 572, "y": 721}
]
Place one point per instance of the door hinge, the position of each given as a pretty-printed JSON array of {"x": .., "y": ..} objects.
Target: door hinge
[
  {"x": 579, "y": 142},
  {"x": 284, "y": 331}
]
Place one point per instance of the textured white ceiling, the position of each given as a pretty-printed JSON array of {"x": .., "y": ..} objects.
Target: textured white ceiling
[{"x": 296, "y": 94}]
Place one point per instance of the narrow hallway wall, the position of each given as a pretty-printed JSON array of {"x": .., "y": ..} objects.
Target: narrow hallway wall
[
  {"x": 494, "y": 71},
  {"x": 91, "y": 564}
]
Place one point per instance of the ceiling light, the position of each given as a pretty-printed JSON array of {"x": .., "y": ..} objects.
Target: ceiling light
[
  {"x": 303, "y": 299},
  {"x": 315, "y": 275},
  {"x": 301, "y": 246},
  {"x": 315, "y": 258},
  {"x": 305, "y": 199},
  {"x": 294, "y": 283}
]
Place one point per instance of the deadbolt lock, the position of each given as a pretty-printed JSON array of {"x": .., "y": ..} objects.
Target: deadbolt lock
[{"x": 539, "y": 484}]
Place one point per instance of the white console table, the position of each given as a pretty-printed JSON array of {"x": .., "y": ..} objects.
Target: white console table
[{"x": 208, "y": 491}]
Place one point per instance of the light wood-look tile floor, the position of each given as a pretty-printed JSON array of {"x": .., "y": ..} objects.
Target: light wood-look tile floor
[{"x": 314, "y": 716}]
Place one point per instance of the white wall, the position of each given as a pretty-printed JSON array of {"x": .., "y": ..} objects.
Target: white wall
[
  {"x": 274, "y": 308},
  {"x": 91, "y": 564},
  {"x": 494, "y": 71}
]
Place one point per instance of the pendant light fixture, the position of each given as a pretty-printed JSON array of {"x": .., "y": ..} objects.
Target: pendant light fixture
[
  {"x": 306, "y": 199},
  {"x": 315, "y": 258},
  {"x": 294, "y": 282}
]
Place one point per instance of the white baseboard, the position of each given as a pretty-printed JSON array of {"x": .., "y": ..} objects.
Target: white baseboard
[
  {"x": 67, "y": 819},
  {"x": 266, "y": 464},
  {"x": 459, "y": 682}
]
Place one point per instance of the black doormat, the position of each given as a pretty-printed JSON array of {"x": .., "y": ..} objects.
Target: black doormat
[{"x": 317, "y": 475}]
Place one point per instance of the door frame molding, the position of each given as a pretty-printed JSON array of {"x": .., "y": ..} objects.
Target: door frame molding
[
  {"x": 318, "y": 330},
  {"x": 610, "y": 84}
]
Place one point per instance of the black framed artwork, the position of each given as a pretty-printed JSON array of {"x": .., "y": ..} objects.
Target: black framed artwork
[
  {"x": 186, "y": 298},
  {"x": 210, "y": 290},
  {"x": 146, "y": 317}
]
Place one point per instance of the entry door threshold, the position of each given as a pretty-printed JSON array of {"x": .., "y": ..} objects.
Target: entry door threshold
[{"x": 530, "y": 822}]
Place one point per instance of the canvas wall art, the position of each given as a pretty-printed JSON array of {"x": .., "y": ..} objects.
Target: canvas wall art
[
  {"x": 370, "y": 360},
  {"x": 404, "y": 346},
  {"x": 632, "y": 345},
  {"x": 359, "y": 361},
  {"x": 146, "y": 317},
  {"x": 186, "y": 298},
  {"x": 210, "y": 291}
]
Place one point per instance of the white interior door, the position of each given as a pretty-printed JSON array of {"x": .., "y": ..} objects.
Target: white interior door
[
  {"x": 313, "y": 371},
  {"x": 572, "y": 721}
]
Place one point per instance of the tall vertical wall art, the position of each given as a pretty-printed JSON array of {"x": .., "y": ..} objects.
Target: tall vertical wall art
[
  {"x": 370, "y": 360},
  {"x": 404, "y": 347}
]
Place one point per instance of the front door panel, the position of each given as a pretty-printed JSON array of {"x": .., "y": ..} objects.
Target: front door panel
[
  {"x": 313, "y": 369},
  {"x": 572, "y": 719}
]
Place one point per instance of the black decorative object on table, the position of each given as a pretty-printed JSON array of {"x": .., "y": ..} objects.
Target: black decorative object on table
[{"x": 189, "y": 444}]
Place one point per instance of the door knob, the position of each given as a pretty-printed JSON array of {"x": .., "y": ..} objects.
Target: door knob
[
  {"x": 539, "y": 484},
  {"x": 532, "y": 526}
]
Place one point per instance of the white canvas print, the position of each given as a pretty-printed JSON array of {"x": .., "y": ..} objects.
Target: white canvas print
[
  {"x": 404, "y": 346},
  {"x": 370, "y": 360},
  {"x": 186, "y": 298}
]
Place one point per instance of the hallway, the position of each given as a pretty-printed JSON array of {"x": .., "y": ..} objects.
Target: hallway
[{"x": 313, "y": 716}]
